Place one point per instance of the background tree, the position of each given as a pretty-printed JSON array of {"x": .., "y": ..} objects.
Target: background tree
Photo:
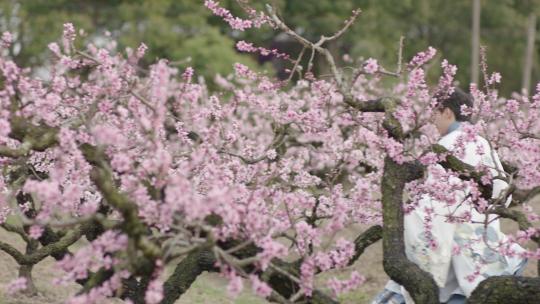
[
  {"x": 171, "y": 29},
  {"x": 475, "y": 46},
  {"x": 529, "y": 9}
]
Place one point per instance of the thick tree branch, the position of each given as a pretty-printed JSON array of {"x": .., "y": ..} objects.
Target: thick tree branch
[
  {"x": 38, "y": 138},
  {"x": 521, "y": 196},
  {"x": 13, "y": 153},
  {"x": 364, "y": 240},
  {"x": 186, "y": 272},
  {"x": 375, "y": 105},
  {"x": 18, "y": 230},
  {"x": 522, "y": 221},
  {"x": 506, "y": 289},
  {"x": 420, "y": 284},
  {"x": 466, "y": 171},
  {"x": 516, "y": 216},
  {"x": 132, "y": 226},
  {"x": 58, "y": 247},
  {"x": 13, "y": 252},
  {"x": 53, "y": 248}
]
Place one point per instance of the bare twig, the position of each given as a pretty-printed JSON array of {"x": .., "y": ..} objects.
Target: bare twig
[
  {"x": 308, "y": 44},
  {"x": 296, "y": 64},
  {"x": 348, "y": 23}
]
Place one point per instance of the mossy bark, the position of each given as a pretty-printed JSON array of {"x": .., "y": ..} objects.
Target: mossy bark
[
  {"x": 508, "y": 290},
  {"x": 419, "y": 284},
  {"x": 25, "y": 271},
  {"x": 186, "y": 272},
  {"x": 364, "y": 240}
]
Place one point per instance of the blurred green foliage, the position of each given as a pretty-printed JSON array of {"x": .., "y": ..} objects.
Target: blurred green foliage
[
  {"x": 178, "y": 30},
  {"x": 181, "y": 29},
  {"x": 445, "y": 25}
]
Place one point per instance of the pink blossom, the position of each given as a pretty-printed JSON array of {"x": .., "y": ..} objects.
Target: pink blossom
[
  {"x": 429, "y": 158},
  {"x": 235, "y": 286},
  {"x": 107, "y": 135},
  {"x": 16, "y": 285},
  {"x": 68, "y": 37},
  {"x": 271, "y": 154},
  {"x": 188, "y": 74},
  {"x": 445, "y": 86},
  {"x": 248, "y": 47},
  {"x": 141, "y": 50},
  {"x": 371, "y": 66},
  {"x": 121, "y": 162},
  {"x": 69, "y": 32},
  {"x": 422, "y": 57},
  {"x": 353, "y": 282},
  {"x": 270, "y": 249},
  {"x": 494, "y": 78},
  {"x": 456, "y": 249},
  {"x": 35, "y": 231},
  {"x": 5, "y": 128},
  {"x": 244, "y": 71},
  {"x": 512, "y": 105},
  {"x": 245, "y": 46},
  {"x": 307, "y": 273},
  {"x": 4, "y": 212},
  {"x": 154, "y": 292},
  {"x": 259, "y": 287},
  {"x": 6, "y": 40},
  {"x": 343, "y": 252},
  {"x": 466, "y": 110},
  {"x": 235, "y": 22}
]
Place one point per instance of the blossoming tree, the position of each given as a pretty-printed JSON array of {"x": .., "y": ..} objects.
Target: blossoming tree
[{"x": 254, "y": 180}]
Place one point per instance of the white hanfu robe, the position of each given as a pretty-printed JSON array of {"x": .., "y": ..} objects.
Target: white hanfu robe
[{"x": 451, "y": 271}]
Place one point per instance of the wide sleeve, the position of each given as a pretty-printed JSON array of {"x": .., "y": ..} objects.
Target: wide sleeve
[{"x": 429, "y": 238}]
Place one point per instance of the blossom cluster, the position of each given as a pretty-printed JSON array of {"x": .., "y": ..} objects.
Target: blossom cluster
[{"x": 174, "y": 166}]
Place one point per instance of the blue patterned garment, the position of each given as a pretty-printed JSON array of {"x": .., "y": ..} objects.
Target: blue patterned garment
[{"x": 390, "y": 297}]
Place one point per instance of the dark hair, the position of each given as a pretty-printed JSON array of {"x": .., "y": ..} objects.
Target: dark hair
[{"x": 454, "y": 102}]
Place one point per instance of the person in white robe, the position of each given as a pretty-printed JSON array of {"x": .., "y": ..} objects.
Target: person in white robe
[{"x": 456, "y": 273}]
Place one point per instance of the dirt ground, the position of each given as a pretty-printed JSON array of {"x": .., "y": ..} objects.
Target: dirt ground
[{"x": 209, "y": 287}]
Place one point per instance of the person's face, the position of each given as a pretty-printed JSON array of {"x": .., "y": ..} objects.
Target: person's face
[{"x": 442, "y": 119}]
